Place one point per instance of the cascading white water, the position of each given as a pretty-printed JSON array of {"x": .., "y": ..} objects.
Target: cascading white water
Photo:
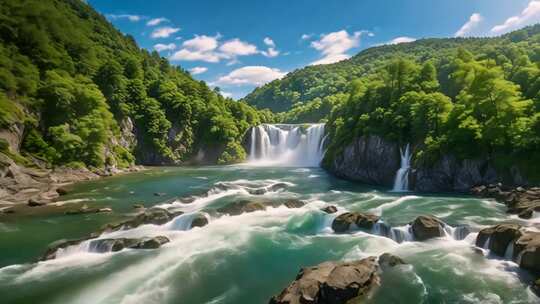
[
  {"x": 401, "y": 183},
  {"x": 287, "y": 145}
]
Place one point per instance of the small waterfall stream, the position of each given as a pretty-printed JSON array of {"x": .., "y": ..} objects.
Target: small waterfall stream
[
  {"x": 287, "y": 145},
  {"x": 401, "y": 183}
]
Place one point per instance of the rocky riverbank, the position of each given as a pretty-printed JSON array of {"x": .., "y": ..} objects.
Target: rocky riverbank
[
  {"x": 374, "y": 160},
  {"x": 21, "y": 185},
  {"x": 521, "y": 201}
]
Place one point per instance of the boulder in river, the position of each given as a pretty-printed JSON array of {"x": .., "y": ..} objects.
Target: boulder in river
[
  {"x": 244, "y": 206},
  {"x": 426, "y": 227},
  {"x": 329, "y": 209},
  {"x": 155, "y": 216},
  {"x": 199, "y": 220},
  {"x": 499, "y": 237},
  {"x": 35, "y": 203},
  {"x": 389, "y": 260},
  {"x": 331, "y": 282},
  {"x": 343, "y": 222},
  {"x": 527, "y": 249},
  {"x": 61, "y": 191}
]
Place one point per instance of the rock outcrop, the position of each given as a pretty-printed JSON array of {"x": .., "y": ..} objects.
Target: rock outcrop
[
  {"x": 331, "y": 282},
  {"x": 368, "y": 159},
  {"x": 246, "y": 206},
  {"x": 200, "y": 220},
  {"x": 499, "y": 237},
  {"x": 527, "y": 251},
  {"x": 426, "y": 227},
  {"x": 350, "y": 220},
  {"x": 155, "y": 216},
  {"x": 329, "y": 209},
  {"x": 521, "y": 201}
]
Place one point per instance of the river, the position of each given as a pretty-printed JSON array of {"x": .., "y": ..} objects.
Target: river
[{"x": 252, "y": 256}]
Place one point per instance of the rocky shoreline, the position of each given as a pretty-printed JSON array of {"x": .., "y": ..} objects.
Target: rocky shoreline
[
  {"x": 519, "y": 200},
  {"x": 34, "y": 187}
]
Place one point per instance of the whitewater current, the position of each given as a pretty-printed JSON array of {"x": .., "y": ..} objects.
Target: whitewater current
[{"x": 250, "y": 257}]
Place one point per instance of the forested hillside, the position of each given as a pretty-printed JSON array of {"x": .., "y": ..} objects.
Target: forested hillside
[
  {"x": 75, "y": 91},
  {"x": 471, "y": 98}
]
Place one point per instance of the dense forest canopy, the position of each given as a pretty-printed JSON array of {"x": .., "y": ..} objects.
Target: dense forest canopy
[
  {"x": 71, "y": 83},
  {"x": 471, "y": 97}
]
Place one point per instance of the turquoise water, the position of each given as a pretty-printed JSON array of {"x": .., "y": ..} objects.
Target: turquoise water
[{"x": 250, "y": 257}]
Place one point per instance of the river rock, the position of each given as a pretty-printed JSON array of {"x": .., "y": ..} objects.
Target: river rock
[
  {"x": 85, "y": 210},
  {"x": 292, "y": 203},
  {"x": 199, "y": 220},
  {"x": 527, "y": 249},
  {"x": 155, "y": 216},
  {"x": 237, "y": 208},
  {"x": 160, "y": 194},
  {"x": 426, "y": 227},
  {"x": 389, "y": 260},
  {"x": 53, "y": 248},
  {"x": 343, "y": 222},
  {"x": 114, "y": 245},
  {"x": 61, "y": 191},
  {"x": 331, "y": 282},
  {"x": 35, "y": 203},
  {"x": 499, "y": 236},
  {"x": 329, "y": 209}
]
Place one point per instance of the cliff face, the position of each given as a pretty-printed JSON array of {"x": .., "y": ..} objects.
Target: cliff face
[
  {"x": 368, "y": 159},
  {"x": 373, "y": 160}
]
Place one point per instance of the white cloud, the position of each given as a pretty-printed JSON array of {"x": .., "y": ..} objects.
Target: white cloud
[
  {"x": 530, "y": 15},
  {"x": 226, "y": 94},
  {"x": 250, "y": 75},
  {"x": 269, "y": 42},
  {"x": 164, "y": 47},
  {"x": 200, "y": 48},
  {"x": 198, "y": 70},
  {"x": 470, "y": 25},
  {"x": 132, "y": 18},
  {"x": 164, "y": 32},
  {"x": 306, "y": 36},
  {"x": 237, "y": 47},
  {"x": 189, "y": 55},
  {"x": 402, "y": 39},
  {"x": 333, "y": 46},
  {"x": 271, "y": 51},
  {"x": 156, "y": 21}
]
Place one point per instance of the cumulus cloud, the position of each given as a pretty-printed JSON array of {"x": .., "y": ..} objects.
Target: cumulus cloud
[
  {"x": 250, "y": 75},
  {"x": 132, "y": 18},
  {"x": 236, "y": 47},
  {"x": 164, "y": 32},
  {"x": 164, "y": 47},
  {"x": 210, "y": 49},
  {"x": 226, "y": 94},
  {"x": 470, "y": 25},
  {"x": 402, "y": 39},
  {"x": 530, "y": 15},
  {"x": 199, "y": 48},
  {"x": 198, "y": 70},
  {"x": 306, "y": 36},
  {"x": 156, "y": 21},
  {"x": 333, "y": 46},
  {"x": 271, "y": 51}
]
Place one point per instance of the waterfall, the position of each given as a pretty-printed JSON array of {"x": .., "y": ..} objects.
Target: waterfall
[
  {"x": 401, "y": 183},
  {"x": 287, "y": 145}
]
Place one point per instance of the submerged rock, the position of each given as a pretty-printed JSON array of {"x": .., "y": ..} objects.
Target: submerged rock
[
  {"x": 200, "y": 220},
  {"x": 331, "y": 282},
  {"x": 343, "y": 222},
  {"x": 53, "y": 248},
  {"x": 329, "y": 209},
  {"x": 86, "y": 210},
  {"x": 35, "y": 203},
  {"x": 426, "y": 227},
  {"x": 155, "y": 216},
  {"x": 389, "y": 260},
  {"x": 246, "y": 206},
  {"x": 240, "y": 207},
  {"x": 527, "y": 250},
  {"x": 499, "y": 236}
]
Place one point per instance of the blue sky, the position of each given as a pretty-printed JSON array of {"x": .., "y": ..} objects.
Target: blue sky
[{"x": 238, "y": 45}]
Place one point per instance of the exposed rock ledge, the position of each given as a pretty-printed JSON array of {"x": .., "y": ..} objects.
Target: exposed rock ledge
[
  {"x": 336, "y": 282},
  {"x": 374, "y": 160},
  {"x": 20, "y": 184}
]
